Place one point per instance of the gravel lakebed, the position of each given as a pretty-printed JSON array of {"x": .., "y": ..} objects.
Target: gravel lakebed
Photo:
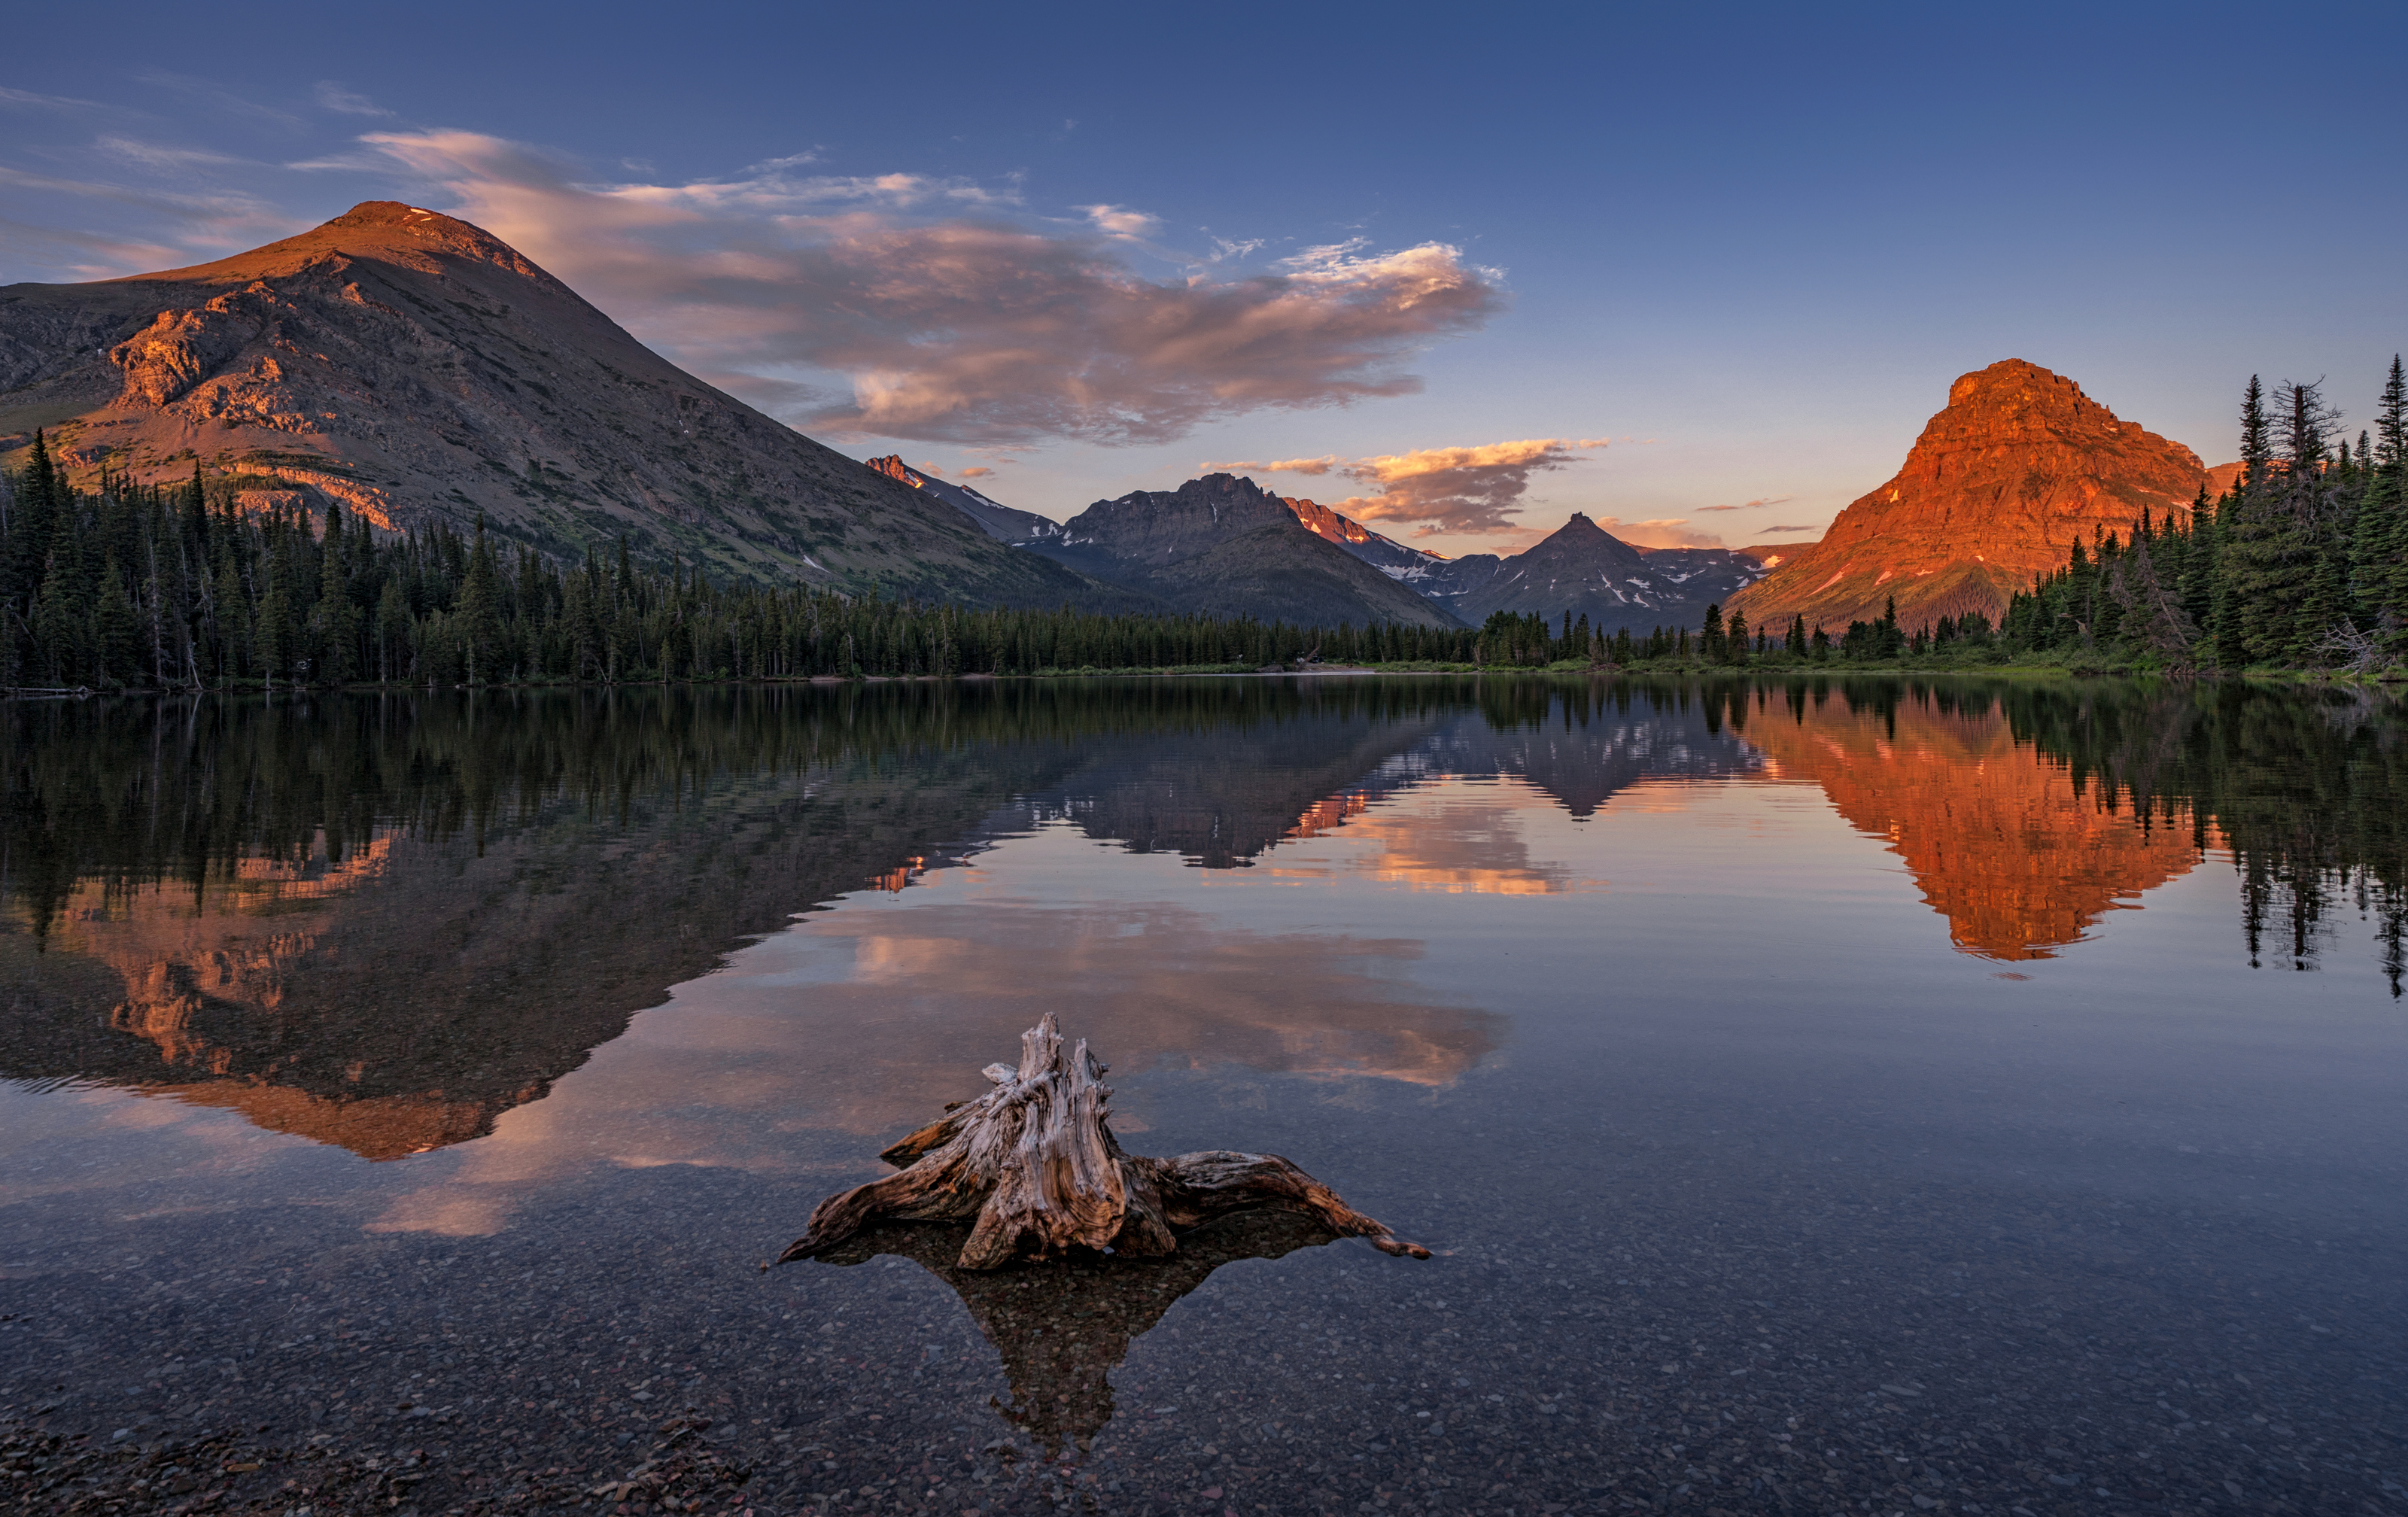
[{"x": 1731, "y": 1334}]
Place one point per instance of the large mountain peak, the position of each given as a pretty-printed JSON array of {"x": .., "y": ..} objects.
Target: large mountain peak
[
  {"x": 382, "y": 230},
  {"x": 2004, "y": 478},
  {"x": 415, "y": 368}
]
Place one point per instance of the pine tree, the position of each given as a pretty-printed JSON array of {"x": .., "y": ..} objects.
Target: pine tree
[{"x": 2379, "y": 547}]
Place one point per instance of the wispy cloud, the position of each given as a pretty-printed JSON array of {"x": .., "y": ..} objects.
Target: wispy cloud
[
  {"x": 211, "y": 215},
  {"x": 977, "y": 471},
  {"x": 1120, "y": 222},
  {"x": 1749, "y": 505},
  {"x": 28, "y": 100},
  {"x": 1798, "y": 526},
  {"x": 333, "y": 96},
  {"x": 950, "y": 328},
  {"x": 155, "y": 156},
  {"x": 209, "y": 93},
  {"x": 1474, "y": 488}
]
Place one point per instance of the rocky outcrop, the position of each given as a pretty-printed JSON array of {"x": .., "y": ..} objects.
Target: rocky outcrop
[
  {"x": 416, "y": 369},
  {"x": 2018, "y": 466}
]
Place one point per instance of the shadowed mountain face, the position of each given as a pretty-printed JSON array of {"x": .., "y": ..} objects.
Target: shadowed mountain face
[
  {"x": 412, "y": 368},
  {"x": 1585, "y": 571},
  {"x": 2019, "y": 465},
  {"x": 1225, "y": 545},
  {"x": 997, "y": 519}
]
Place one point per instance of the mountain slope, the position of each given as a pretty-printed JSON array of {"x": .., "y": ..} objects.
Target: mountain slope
[
  {"x": 2017, "y": 465},
  {"x": 1225, "y": 545},
  {"x": 414, "y": 367},
  {"x": 1002, "y": 523}
]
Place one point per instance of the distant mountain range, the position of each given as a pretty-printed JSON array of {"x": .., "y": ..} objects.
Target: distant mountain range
[
  {"x": 416, "y": 369},
  {"x": 1224, "y": 544}
]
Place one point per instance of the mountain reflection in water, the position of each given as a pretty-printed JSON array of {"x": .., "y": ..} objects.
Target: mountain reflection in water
[{"x": 380, "y": 921}]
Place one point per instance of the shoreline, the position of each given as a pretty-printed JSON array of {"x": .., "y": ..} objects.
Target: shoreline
[{"x": 2388, "y": 678}]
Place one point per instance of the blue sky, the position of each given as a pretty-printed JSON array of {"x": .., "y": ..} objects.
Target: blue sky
[{"x": 1471, "y": 269}]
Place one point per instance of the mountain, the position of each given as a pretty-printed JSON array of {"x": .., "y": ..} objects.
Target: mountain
[
  {"x": 1227, "y": 546},
  {"x": 997, "y": 519},
  {"x": 1586, "y": 570},
  {"x": 2018, "y": 464},
  {"x": 416, "y": 369},
  {"x": 1386, "y": 554}
]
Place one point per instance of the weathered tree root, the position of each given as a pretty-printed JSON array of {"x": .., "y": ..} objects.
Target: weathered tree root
[{"x": 1035, "y": 1162}]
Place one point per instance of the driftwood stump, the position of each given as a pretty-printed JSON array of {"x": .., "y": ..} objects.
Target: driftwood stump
[{"x": 1033, "y": 1161}]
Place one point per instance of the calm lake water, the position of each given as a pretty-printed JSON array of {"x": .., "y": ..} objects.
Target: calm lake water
[{"x": 1819, "y": 1096}]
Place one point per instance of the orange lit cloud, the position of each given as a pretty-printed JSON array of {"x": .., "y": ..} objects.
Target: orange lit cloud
[
  {"x": 877, "y": 305},
  {"x": 976, "y": 472},
  {"x": 1475, "y": 488}
]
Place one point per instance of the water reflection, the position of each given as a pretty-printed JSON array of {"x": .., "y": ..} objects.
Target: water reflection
[
  {"x": 383, "y": 922},
  {"x": 1998, "y": 833},
  {"x": 1063, "y": 1327}
]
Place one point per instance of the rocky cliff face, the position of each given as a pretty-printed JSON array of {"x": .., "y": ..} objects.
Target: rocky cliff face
[
  {"x": 2018, "y": 464},
  {"x": 414, "y": 367}
]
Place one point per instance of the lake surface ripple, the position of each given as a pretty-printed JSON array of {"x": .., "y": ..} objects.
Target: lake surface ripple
[{"x": 1820, "y": 1095}]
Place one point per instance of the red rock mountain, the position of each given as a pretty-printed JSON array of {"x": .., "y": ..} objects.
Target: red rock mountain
[
  {"x": 1995, "y": 490},
  {"x": 416, "y": 369}
]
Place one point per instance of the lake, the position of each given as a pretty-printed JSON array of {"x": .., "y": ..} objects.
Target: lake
[{"x": 1817, "y": 1096}]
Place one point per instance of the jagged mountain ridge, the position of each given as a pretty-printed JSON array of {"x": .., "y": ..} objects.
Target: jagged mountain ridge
[
  {"x": 416, "y": 369},
  {"x": 1225, "y": 545},
  {"x": 1386, "y": 554},
  {"x": 1585, "y": 571},
  {"x": 2004, "y": 479}
]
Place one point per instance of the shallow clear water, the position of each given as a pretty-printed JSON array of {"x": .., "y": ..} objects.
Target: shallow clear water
[{"x": 1929, "y": 1096}]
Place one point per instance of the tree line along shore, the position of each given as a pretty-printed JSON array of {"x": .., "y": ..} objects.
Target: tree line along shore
[{"x": 2303, "y": 565}]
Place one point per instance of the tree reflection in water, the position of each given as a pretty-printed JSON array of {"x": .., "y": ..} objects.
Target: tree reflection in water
[{"x": 1064, "y": 1326}]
